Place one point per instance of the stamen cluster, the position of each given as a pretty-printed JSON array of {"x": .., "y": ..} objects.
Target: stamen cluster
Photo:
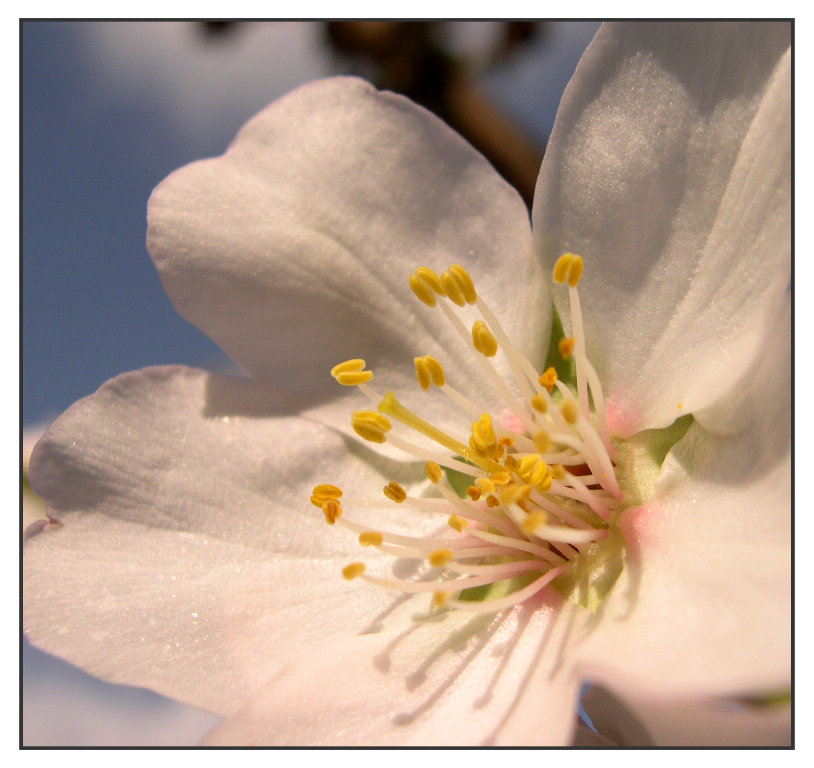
[{"x": 539, "y": 492}]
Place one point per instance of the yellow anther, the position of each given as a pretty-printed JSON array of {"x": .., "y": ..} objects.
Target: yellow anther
[
  {"x": 548, "y": 378},
  {"x": 570, "y": 411},
  {"x": 522, "y": 504},
  {"x": 482, "y": 338},
  {"x": 526, "y": 465},
  {"x": 506, "y": 442},
  {"x": 458, "y": 523},
  {"x": 464, "y": 282},
  {"x": 429, "y": 371},
  {"x": 353, "y": 570},
  {"x": 439, "y": 598},
  {"x": 492, "y": 502},
  {"x": 542, "y": 440},
  {"x": 370, "y": 539},
  {"x": 371, "y": 425},
  {"x": 487, "y": 430},
  {"x": 575, "y": 271},
  {"x": 433, "y": 472},
  {"x": 513, "y": 493},
  {"x": 534, "y": 522},
  {"x": 540, "y": 477},
  {"x": 510, "y": 463},
  {"x": 422, "y": 290},
  {"x": 558, "y": 472},
  {"x": 395, "y": 492},
  {"x": 501, "y": 478},
  {"x": 453, "y": 289},
  {"x": 562, "y": 266},
  {"x": 323, "y": 493},
  {"x": 440, "y": 557},
  {"x": 430, "y": 278},
  {"x": 486, "y": 485},
  {"x": 566, "y": 347},
  {"x": 473, "y": 492},
  {"x": 351, "y": 373},
  {"x": 333, "y": 510},
  {"x": 539, "y": 404}
]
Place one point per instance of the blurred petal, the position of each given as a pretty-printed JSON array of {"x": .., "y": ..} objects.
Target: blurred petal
[
  {"x": 667, "y": 722},
  {"x": 449, "y": 681},
  {"x": 293, "y": 250},
  {"x": 669, "y": 171},
  {"x": 187, "y": 557}
]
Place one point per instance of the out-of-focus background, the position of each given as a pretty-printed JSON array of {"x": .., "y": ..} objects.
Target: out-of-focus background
[{"x": 109, "y": 110}]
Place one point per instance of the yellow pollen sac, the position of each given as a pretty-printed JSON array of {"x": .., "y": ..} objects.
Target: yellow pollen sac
[
  {"x": 353, "y": 570},
  {"x": 540, "y": 477},
  {"x": 371, "y": 425},
  {"x": 558, "y": 472},
  {"x": 439, "y": 598},
  {"x": 370, "y": 539},
  {"x": 482, "y": 338},
  {"x": 526, "y": 465},
  {"x": 333, "y": 511},
  {"x": 570, "y": 411},
  {"x": 464, "y": 282},
  {"x": 534, "y": 521},
  {"x": 575, "y": 271},
  {"x": 423, "y": 290},
  {"x": 458, "y": 523},
  {"x": 351, "y": 373},
  {"x": 473, "y": 492},
  {"x": 395, "y": 492},
  {"x": 453, "y": 289},
  {"x": 429, "y": 371},
  {"x": 486, "y": 485},
  {"x": 428, "y": 276},
  {"x": 323, "y": 493},
  {"x": 433, "y": 472},
  {"x": 548, "y": 378},
  {"x": 566, "y": 347},
  {"x": 512, "y": 493},
  {"x": 492, "y": 502},
  {"x": 539, "y": 404},
  {"x": 506, "y": 442},
  {"x": 501, "y": 478},
  {"x": 510, "y": 463},
  {"x": 562, "y": 266},
  {"x": 542, "y": 441},
  {"x": 440, "y": 557}
]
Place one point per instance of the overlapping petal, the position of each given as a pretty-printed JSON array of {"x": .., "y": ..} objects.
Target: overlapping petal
[
  {"x": 293, "y": 249},
  {"x": 186, "y": 557},
  {"x": 669, "y": 170},
  {"x": 710, "y": 555}
]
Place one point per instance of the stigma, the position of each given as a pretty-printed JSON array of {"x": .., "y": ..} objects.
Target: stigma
[{"x": 541, "y": 486}]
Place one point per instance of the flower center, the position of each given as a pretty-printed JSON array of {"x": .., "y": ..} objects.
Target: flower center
[{"x": 540, "y": 494}]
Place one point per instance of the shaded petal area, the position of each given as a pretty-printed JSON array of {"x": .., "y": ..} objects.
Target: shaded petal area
[
  {"x": 695, "y": 722},
  {"x": 451, "y": 681},
  {"x": 669, "y": 169},
  {"x": 293, "y": 249},
  {"x": 185, "y": 555}
]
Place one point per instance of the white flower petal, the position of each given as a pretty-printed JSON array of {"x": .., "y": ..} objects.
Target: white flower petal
[
  {"x": 704, "y": 605},
  {"x": 293, "y": 250},
  {"x": 188, "y": 557},
  {"x": 453, "y": 681},
  {"x": 668, "y": 722},
  {"x": 669, "y": 171}
]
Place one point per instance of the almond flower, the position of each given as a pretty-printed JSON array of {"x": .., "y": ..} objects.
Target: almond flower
[{"x": 618, "y": 513}]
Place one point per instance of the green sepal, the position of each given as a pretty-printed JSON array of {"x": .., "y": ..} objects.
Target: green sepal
[
  {"x": 459, "y": 480},
  {"x": 566, "y": 369},
  {"x": 594, "y": 571}
]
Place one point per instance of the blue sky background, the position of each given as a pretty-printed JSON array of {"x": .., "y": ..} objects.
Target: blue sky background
[{"x": 109, "y": 110}]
